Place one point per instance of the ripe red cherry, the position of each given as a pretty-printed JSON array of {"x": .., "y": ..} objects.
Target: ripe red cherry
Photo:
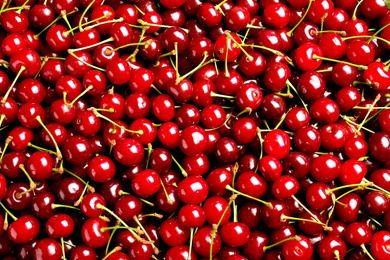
[
  {"x": 76, "y": 150},
  {"x": 301, "y": 248},
  {"x": 277, "y": 144},
  {"x": 101, "y": 169},
  {"x": 192, "y": 140},
  {"x": 40, "y": 165},
  {"x": 379, "y": 245},
  {"x": 24, "y": 229},
  {"x": 146, "y": 183},
  {"x": 128, "y": 151},
  {"x": 92, "y": 233},
  {"x": 304, "y": 57},
  {"x": 60, "y": 225},
  {"x": 235, "y": 234},
  {"x": 202, "y": 242},
  {"x": 47, "y": 248},
  {"x": 193, "y": 190}
]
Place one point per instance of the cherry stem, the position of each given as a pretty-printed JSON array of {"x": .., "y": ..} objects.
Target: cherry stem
[
  {"x": 147, "y": 44},
  {"x": 249, "y": 57},
  {"x": 349, "y": 186},
  {"x": 302, "y": 219},
  {"x": 7, "y": 141},
  {"x": 246, "y": 110},
  {"x": 215, "y": 226},
  {"x": 155, "y": 215},
  {"x": 213, "y": 94},
  {"x": 123, "y": 46},
  {"x": 249, "y": 26},
  {"x": 288, "y": 83},
  {"x": 369, "y": 111},
  {"x": 362, "y": 245},
  {"x": 316, "y": 57},
  {"x": 5, "y": 224},
  {"x": 377, "y": 113},
  {"x": 349, "y": 122},
  {"x": 288, "y": 95},
  {"x": 367, "y": 36},
  {"x": 89, "y": 22},
  {"x": 63, "y": 14},
  {"x": 32, "y": 183},
  {"x": 218, "y": 6},
  {"x": 58, "y": 151},
  {"x": 41, "y": 149},
  {"x": 373, "y": 219},
  {"x": 144, "y": 24},
  {"x": 264, "y": 48},
  {"x": 228, "y": 187},
  {"x": 342, "y": 33},
  {"x": 78, "y": 202},
  {"x": 24, "y": 7},
  {"x": 7, "y": 211},
  {"x": 54, "y": 206},
  {"x": 100, "y": 206},
  {"x": 282, "y": 119},
  {"x": 115, "y": 228},
  {"x": 200, "y": 65},
  {"x": 36, "y": 36},
  {"x": 155, "y": 249},
  {"x": 116, "y": 249},
  {"x": 183, "y": 172},
  {"x": 191, "y": 239},
  {"x": 337, "y": 254},
  {"x": 227, "y": 120},
  {"x": 90, "y": 188},
  {"x": 86, "y": 63},
  {"x": 2, "y": 117},
  {"x": 289, "y": 33},
  {"x": 176, "y": 62},
  {"x": 305, "y": 208},
  {"x": 265, "y": 248},
  {"x": 376, "y": 186},
  {"x": 227, "y": 74},
  {"x": 22, "y": 68},
  {"x": 139, "y": 10},
  {"x": 105, "y": 22},
  {"x": 97, "y": 114},
  {"x": 170, "y": 202},
  {"x": 353, "y": 18},
  {"x": 63, "y": 248},
  {"x": 111, "y": 39},
  {"x": 83, "y": 14},
  {"x": 150, "y": 149},
  {"x": 70, "y": 105},
  {"x": 119, "y": 227}
]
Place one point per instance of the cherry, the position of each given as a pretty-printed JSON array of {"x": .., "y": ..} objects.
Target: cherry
[
  {"x": 325, "y": 111},
  {"x": 379, "y": 242},
  {"x": 255, "y": 246},
  {"x": 202, "y": 242},
  {"x": 300, "y": 247},
  {"x": 332, "y": 246},
  {"x": 379, "y": 146},
  {"x": 127, "y": 148},
  {"x": 92, "y": 233},
  {"x": 235, "y": 234},
  {"x": 172, "y": 233},
  {"x": 277, "y": 144},
  {"x": 47, "y": 248},
  {"x": 271, "y": 214},
  {"x": 140, "y": 250},
  {"x": 146, "y": 183},
  {"x": 180, "y": 253},
  {"x": 24, "y": 229},
  {"x": 375, "y": 203},
  {"x": 358, "y": 234},
  {"x": 305, "y": 57},
  {"x": 193, "y": 190}
]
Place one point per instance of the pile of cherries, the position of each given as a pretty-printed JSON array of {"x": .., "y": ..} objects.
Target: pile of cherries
[{"x": 194, "y": 129}]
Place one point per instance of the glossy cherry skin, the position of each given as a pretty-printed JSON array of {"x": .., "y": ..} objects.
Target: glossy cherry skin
[
  {"x": 302, "y": 249},
  {"x": 277, "y": 144},
  {"x": 23, "y": 230},
  {"x": 179, "y": 253},
  {"x": 60, "y": 225},
  {"x": 325, "y": 111},
  {"x": 193, "y": 190},
  {"x": 146, "y": 183},
  {"x": 251, "y": 184},
  {"x": 172, "y": 233},
  {"x": 76, "y": 150},
  {"x": 376, "y": 203},
  {"x": 127, "y": 148},
  {"x": 39, "y": 165},
  {"x": 379, "y": 146},
  {"x": 379, "y": 245},
  {"x": 27, "y": 115},
  {"x": 47, "y": 248},
  {"x": 357, "y": 234},
  {"x": 349, "y": 212},
  {"x": 272, "y": 215},
  {"x": 202, "y": 241},
  {"x": 101, "y": 169},
  {"x": 92, "y": 234},
  {"x": 285, "y": 187},
  {"x": 235, "y": 234}
]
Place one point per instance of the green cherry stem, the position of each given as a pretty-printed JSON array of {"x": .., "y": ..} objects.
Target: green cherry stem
[
  {"x": 86, "y": 63},
  {"x": 7, "y": 141},
  {"x": 97, "y": 114},
  {"x": 22, "y": 68},
  {"x": 58, "y": 151},
  {"x": 281, "y": 242},
  {"x": 288, "y": 83},
  {"x": 362, "y": 245},
  {"x": 289, "y": 33},
  {"x": 9, "y": 213},
  {"x": 83, "y": 14},
  {"x": 183, "y": 172},
  {"x": 316, "y": 57}
]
